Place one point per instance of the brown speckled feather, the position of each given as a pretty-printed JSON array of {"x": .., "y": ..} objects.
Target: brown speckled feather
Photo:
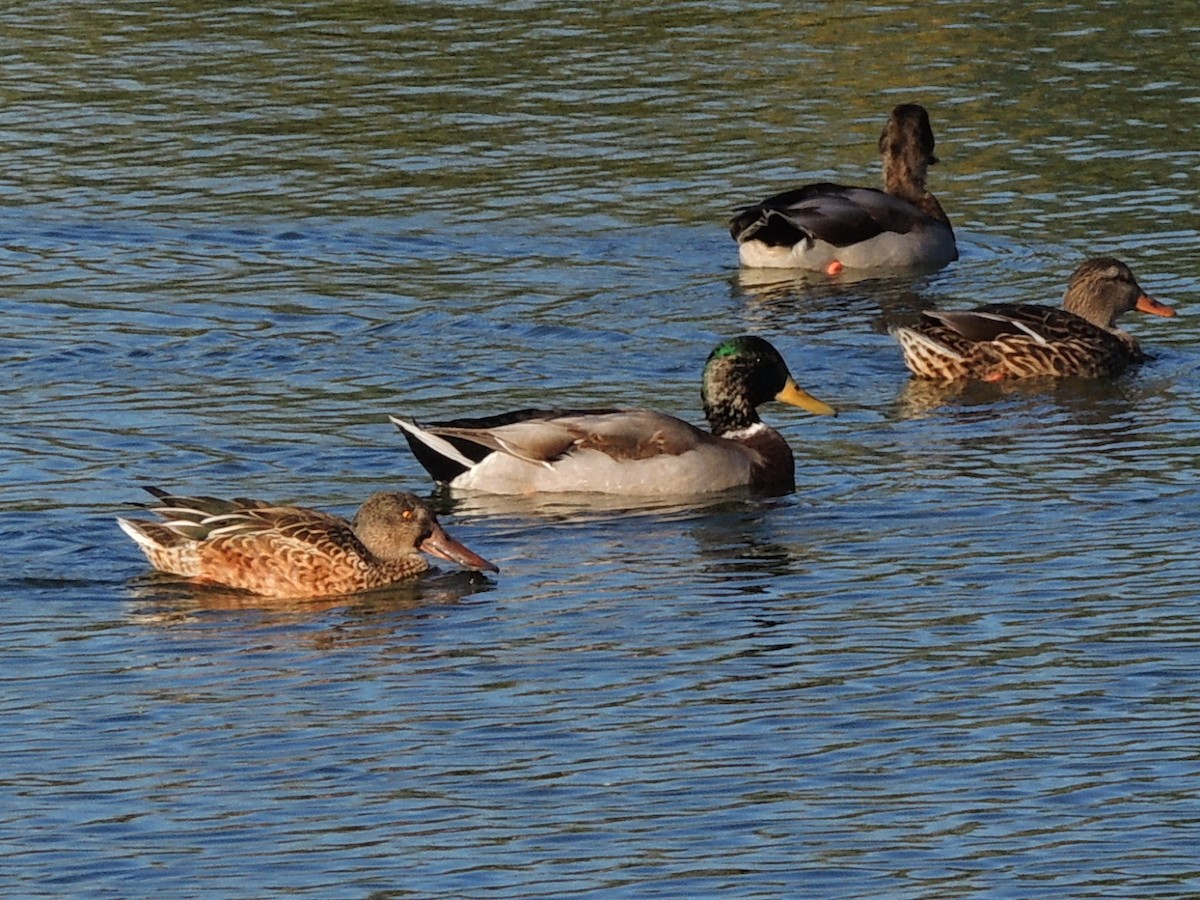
[
  {"x": 308, "y": 561},
  {"x": 1025, "y": 340},
  {"x": 294, "y": 552}
]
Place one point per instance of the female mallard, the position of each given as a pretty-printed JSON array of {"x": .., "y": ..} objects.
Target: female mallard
[
  {"x": 830, "y": 227},
  {"x": 1016, "y": 340},
  {"x": 292, "y": 552},
  {"x": 632, "y": 452}
]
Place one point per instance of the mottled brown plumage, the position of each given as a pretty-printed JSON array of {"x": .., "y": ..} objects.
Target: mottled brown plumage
[
  {"x": 1014, "y": 340},
  {"x": 294, "y": 552}
]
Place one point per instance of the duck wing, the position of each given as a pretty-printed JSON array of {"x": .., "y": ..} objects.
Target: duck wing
[
  {"x": 631, "y": 435},
  {"x": 199, "y": 532},
  {"x": 447, "y": 449},
  {"x": 833, "y": 213},
  {"x": 197, "y": 509},
  {"x": 547, "y": 438},
  {"x": 1041, "y": 324}
]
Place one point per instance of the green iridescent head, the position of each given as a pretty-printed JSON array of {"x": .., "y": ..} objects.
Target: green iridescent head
[{"x": 741, "y": 374}]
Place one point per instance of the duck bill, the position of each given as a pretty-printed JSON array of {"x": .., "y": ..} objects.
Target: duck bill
[
  {"x": 797, "y": 396},
  {"x": 441, "y": 545},
  {"x": 1148, "y": 304}
]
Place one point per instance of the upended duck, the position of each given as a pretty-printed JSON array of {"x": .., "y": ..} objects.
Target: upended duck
[
  {"x": 1016, "y": 340},
  {"x": 294, "y": 552},
  {"x": 629, "y": 451},
  {"x": 830, "y": 227}
]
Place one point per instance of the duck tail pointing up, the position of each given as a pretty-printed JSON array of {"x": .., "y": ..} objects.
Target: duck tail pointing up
[
  {"x": 167, "y": 550},
  {"x": 437, "y": 455}
]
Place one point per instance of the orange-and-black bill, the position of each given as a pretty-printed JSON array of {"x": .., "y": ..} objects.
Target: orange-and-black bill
[
  {"x": 441, "y": 545},
  {"x": 1148, "y": 304}
]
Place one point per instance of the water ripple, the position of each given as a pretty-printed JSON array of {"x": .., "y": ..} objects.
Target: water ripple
[{"x": 958, "y": 661}]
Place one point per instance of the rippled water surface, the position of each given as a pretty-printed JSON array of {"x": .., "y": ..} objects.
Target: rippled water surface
[{"x": 960, "y": 660}]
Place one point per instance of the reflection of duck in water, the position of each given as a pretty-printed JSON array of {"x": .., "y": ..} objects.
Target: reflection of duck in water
[
  {"x": 789, "y": 303},
  {"x": 831, "y": 227},
  {"x": 1015, "y": 340},
  {"x": 290, "y": 551},
  {"x": 633, "y": 451}
]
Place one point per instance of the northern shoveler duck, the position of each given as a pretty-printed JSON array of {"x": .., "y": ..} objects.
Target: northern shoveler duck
[
  {"x": 629, "y": 451},
  {"x": 1015, "y": 340},
  {"x": 293, "y": 552},
  {"x": 830, "y": 227}
]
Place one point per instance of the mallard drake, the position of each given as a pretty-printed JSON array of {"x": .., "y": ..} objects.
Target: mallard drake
[
  {"x": 629, "y": 451},
  {"x": 293, "y": 552},
  {"x": 1016, "y": 340},
  {"x": 831, "y": 227}
]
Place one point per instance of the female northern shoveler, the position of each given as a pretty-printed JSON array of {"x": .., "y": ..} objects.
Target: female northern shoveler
[
  {"x": 1015, "y": 340},
  {"x": 293, "y": 552},
  {"x": 632, "y": 452},
  {"x": 830, "y": 227}
]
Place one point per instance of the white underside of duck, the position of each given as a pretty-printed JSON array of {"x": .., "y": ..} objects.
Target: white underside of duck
[
  {"x": 931, "y": 246},
  {"x": 701, "y": 470}
]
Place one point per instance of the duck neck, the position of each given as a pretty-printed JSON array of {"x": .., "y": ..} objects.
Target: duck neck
[
  {"x": 904, "y": 177},
  {"x": 729, "y": 414},
  {"x": 1079, "y": 305},
  {"x": 403, "y": 567}
]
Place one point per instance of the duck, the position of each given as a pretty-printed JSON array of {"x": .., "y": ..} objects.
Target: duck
[
  {"x": 633, "y": 452},
  {"x": 1025, "y": 340},
  {"x": 830, "y": 227},
  {"x": 292, "y": 552}
]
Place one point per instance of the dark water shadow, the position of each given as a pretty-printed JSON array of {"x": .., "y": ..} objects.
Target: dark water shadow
[
  {"x": 1090, "y": 400},
  {"x": 794, "y": 300},
  {"x": 583, "y": 507},
  {"x": 161, "y": 599}
]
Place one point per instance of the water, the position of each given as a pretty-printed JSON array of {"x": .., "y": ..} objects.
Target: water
[{"x": 959, "y": 661}]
